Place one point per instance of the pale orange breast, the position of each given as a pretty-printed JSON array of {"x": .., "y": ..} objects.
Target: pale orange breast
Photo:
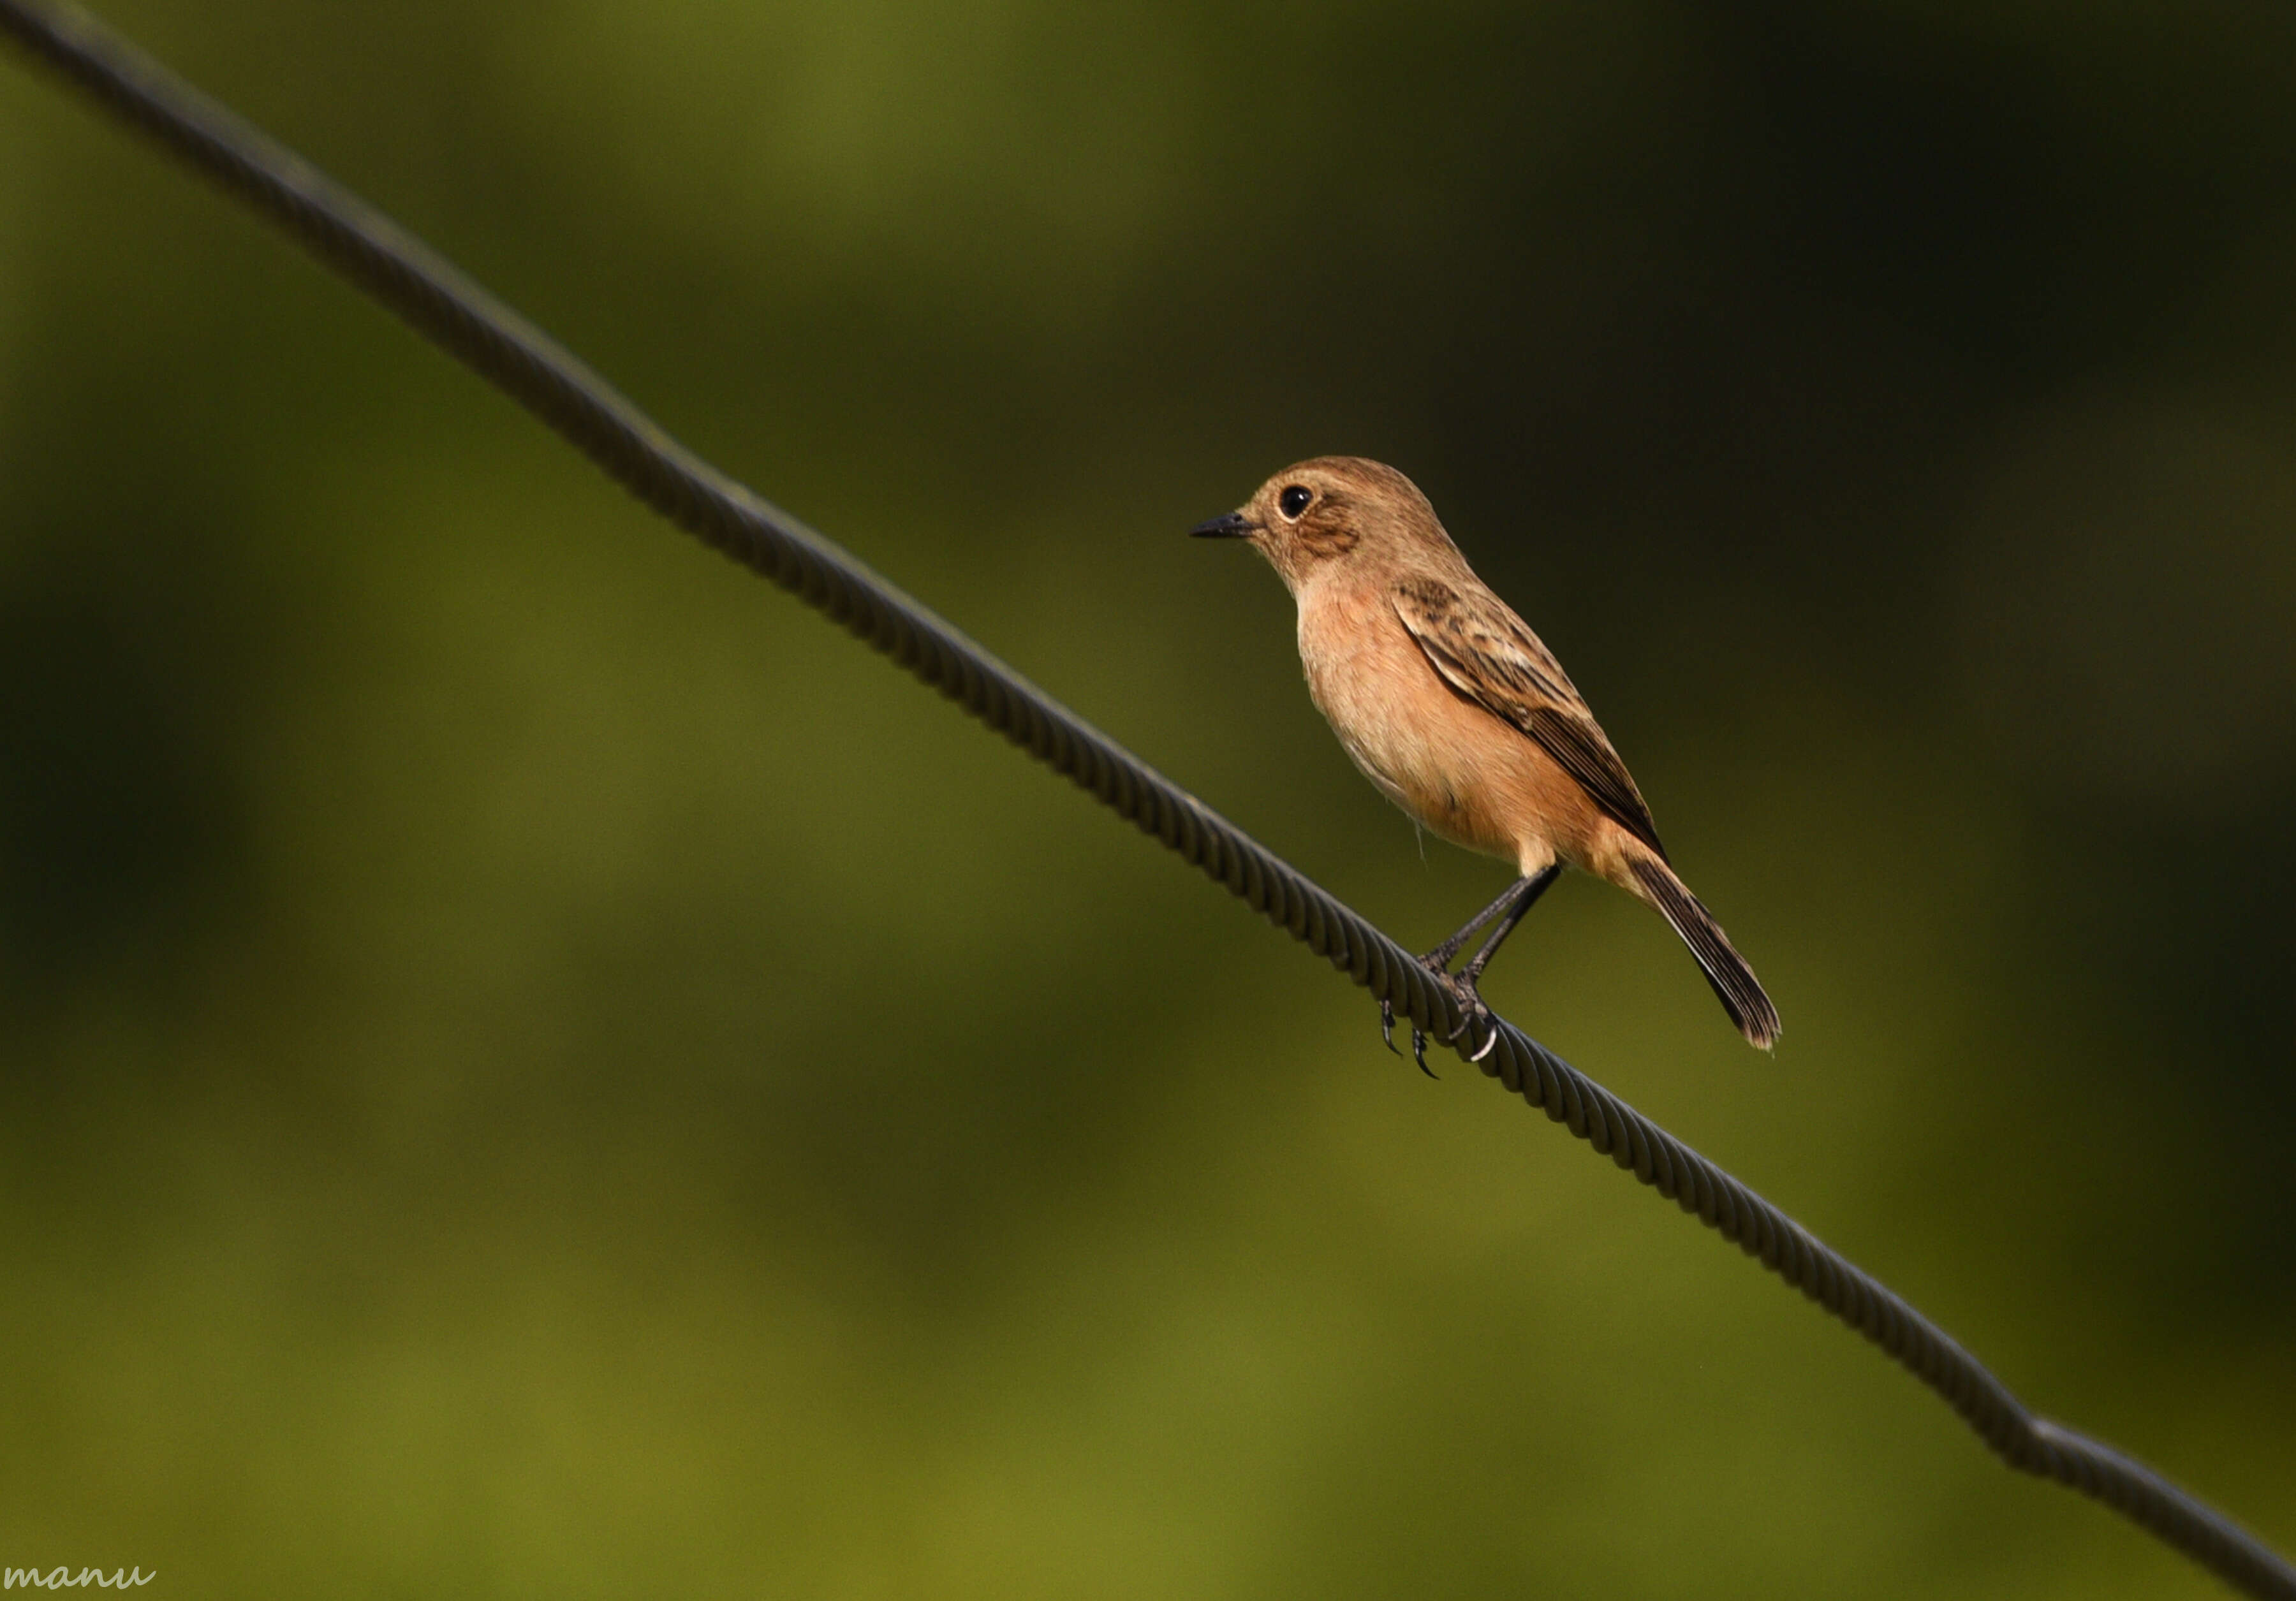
[{"x": 1469, "y": 777}]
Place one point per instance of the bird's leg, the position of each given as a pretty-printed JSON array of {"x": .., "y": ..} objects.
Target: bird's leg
[
  {"x": 1463, "y": 982},
  {"x": 1440, "y": 957},
  {"x": 1530, "y": 889},
  {"x": 1519, "y": 898},
  {"x": 1435, "y": 961}
]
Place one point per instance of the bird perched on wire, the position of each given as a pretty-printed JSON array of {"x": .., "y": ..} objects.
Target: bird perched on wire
[{"x": 1452, "y": 706}]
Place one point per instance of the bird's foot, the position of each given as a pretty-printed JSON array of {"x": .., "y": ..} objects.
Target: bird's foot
[{"x": 1473, "y": 1015}]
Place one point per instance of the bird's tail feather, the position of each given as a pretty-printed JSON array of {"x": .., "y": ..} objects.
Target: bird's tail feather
[{"x": 1732, "y": 981}]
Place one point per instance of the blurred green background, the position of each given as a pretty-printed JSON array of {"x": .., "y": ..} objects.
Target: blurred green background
[{"x": 535, "y": 1067}]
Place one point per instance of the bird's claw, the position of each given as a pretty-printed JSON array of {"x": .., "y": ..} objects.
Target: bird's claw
[
  {"x": 1418, "y": 1037},
  {"x": 1473, "y": 1014},
  {"x": 1418, "y": 1051}
]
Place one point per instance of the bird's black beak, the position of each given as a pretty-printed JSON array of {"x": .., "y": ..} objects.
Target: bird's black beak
[{"x": 1228, "y": 524}]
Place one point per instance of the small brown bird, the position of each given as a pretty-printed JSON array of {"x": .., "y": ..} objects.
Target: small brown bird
[{"x": 1453, "y": 707}]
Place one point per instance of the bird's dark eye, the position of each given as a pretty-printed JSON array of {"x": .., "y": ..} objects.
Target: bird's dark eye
[{"x": 1294, "y": 500}]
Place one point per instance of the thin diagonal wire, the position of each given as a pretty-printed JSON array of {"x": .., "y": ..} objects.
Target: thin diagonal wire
[{"x": 423, "y": 289}]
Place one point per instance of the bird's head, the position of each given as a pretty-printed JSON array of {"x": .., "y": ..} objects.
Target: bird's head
[{"x": 1322, "y": 516}]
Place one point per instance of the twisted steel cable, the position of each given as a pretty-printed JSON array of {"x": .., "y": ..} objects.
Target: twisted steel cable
[{"x": 420, "y": 287}]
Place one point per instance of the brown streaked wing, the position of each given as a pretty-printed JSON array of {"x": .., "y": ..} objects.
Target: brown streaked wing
[{"x": 1486, "y": 653}]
